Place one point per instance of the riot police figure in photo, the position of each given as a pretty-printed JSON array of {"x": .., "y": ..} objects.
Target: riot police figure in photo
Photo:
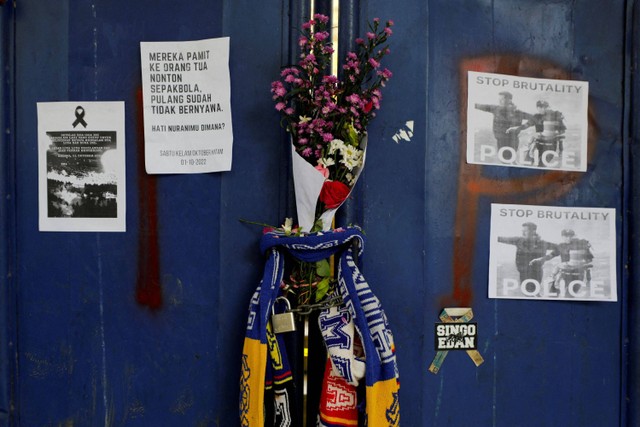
[
  {"x": 575, "y": 260},
  {"x": 531, "y": 251},
  {"x": 550, "y": 133},
  {"x": 507, "y": 120}
]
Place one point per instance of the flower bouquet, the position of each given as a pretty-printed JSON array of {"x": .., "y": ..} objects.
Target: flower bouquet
[{"x": 327, "y": 117}]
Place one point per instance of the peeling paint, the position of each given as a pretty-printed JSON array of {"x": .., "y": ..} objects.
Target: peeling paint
[
  {"x": 183, "y": 403},
  {"x": 44, "y": 367}
]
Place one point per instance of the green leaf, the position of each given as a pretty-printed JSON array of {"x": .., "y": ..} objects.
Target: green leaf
[
  {"x": 322, "y": 288},
  {"x": 352, "y": 135},
  {"x": 323, "y": 269},
  {"x": 317, "y": 226}
]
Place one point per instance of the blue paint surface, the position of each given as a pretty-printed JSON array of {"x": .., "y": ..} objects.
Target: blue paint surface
[{"x": 89, "y": 354}]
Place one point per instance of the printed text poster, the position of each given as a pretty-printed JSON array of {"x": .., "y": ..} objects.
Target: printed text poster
[
  {"x": 526, "y": 122},
  {"x": 81, "y": 166},
  {"x": 552, "y": 253},
  {"x": 187, "y": 106}
]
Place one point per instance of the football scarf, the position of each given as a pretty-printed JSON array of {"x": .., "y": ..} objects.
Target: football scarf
[
  {"x": 279, "y": 387},
  {"x": 343, "y": 371},
  {"x": 381, "y": 374}
]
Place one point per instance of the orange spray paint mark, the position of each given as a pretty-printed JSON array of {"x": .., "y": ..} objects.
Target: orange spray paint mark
[{"x": 148, "y": 290}]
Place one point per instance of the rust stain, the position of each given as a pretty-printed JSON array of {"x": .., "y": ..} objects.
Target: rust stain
[
  {"x": 472, "y": 185},
  {"x": 148, "y": 289}
]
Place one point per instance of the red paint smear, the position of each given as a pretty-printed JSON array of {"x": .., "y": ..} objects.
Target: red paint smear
[
  {"x": 472, "y": 186},
  {"x": 148, "y": 290}
]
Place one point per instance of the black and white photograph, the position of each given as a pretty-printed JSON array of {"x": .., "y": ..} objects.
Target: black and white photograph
[
  {"x": 552, "y": 253},
  {"x": 81, "y": 166},
  {"x": 527, "y": 122}
]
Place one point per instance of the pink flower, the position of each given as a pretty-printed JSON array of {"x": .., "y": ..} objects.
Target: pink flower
[
  {"x": 321, "y": 18},
  {"x": 327, "y": 137},
  {"x": 354, "y": 99},
  {"x": 330, "y": 79},
  {"x": 389, "y": 23},
  {"x": 316, "y": 106},
  {"x": 385, "y": 74},
  {"x": 322, "y": 36},
  {"x": 277, "y": 88},
  {"x": 287, "y": 71}
]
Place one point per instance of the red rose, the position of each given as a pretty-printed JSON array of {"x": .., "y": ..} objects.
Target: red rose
[{"x": 333, "y": 193}]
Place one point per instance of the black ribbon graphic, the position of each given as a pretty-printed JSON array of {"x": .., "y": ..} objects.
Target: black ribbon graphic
[{"x": 79, "y": 117}]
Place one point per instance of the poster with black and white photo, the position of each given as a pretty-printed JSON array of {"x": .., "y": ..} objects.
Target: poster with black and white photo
[
  {"x": 81, "y": 166},
  {"x": 552, "y": 253},
  {"x": 186, "y": 89},
  {"x": 527, "y": 122}
]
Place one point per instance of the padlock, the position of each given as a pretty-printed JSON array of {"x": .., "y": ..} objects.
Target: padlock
[{"x": 282, "y": 322}]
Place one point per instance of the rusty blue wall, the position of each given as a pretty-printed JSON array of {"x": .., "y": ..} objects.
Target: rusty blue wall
[{"x": 145, "y": 327}]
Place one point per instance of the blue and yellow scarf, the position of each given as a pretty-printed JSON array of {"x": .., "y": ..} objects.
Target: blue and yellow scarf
[{"x": 381, "y": 373}]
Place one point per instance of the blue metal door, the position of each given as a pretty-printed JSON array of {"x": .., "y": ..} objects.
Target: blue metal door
[
  {"x": 145, "y": 328},
  {"x": 546, "y": 362},
  {"x": 132, "y": 328}
]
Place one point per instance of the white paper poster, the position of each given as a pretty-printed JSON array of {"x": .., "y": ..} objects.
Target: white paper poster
[
  {"x": 187, "y": 106},
  {"x": 526, "y": 122},
  {"x": 552, "y": 253},
  {"x": 81, "y": 166}
]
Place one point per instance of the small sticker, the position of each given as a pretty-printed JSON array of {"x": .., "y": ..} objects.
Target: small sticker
[
  {"x": 405, "y": 133},
  {"x": 456, "y": 336},
  {"x": 455, "y": 333}
]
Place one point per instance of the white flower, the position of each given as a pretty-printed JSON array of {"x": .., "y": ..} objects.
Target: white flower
[
  {"x": 304, "y": 119},
  {"x": 349, "y": 151},
  {"x": 326, "y": 162},
  {"x": 335, "y": 145},
  {"x": 350, "y": 178},
  {"x": 288, "y": 225},
  {"x": 351, "y": 156},
  {"x": 348, "y": 163}
]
